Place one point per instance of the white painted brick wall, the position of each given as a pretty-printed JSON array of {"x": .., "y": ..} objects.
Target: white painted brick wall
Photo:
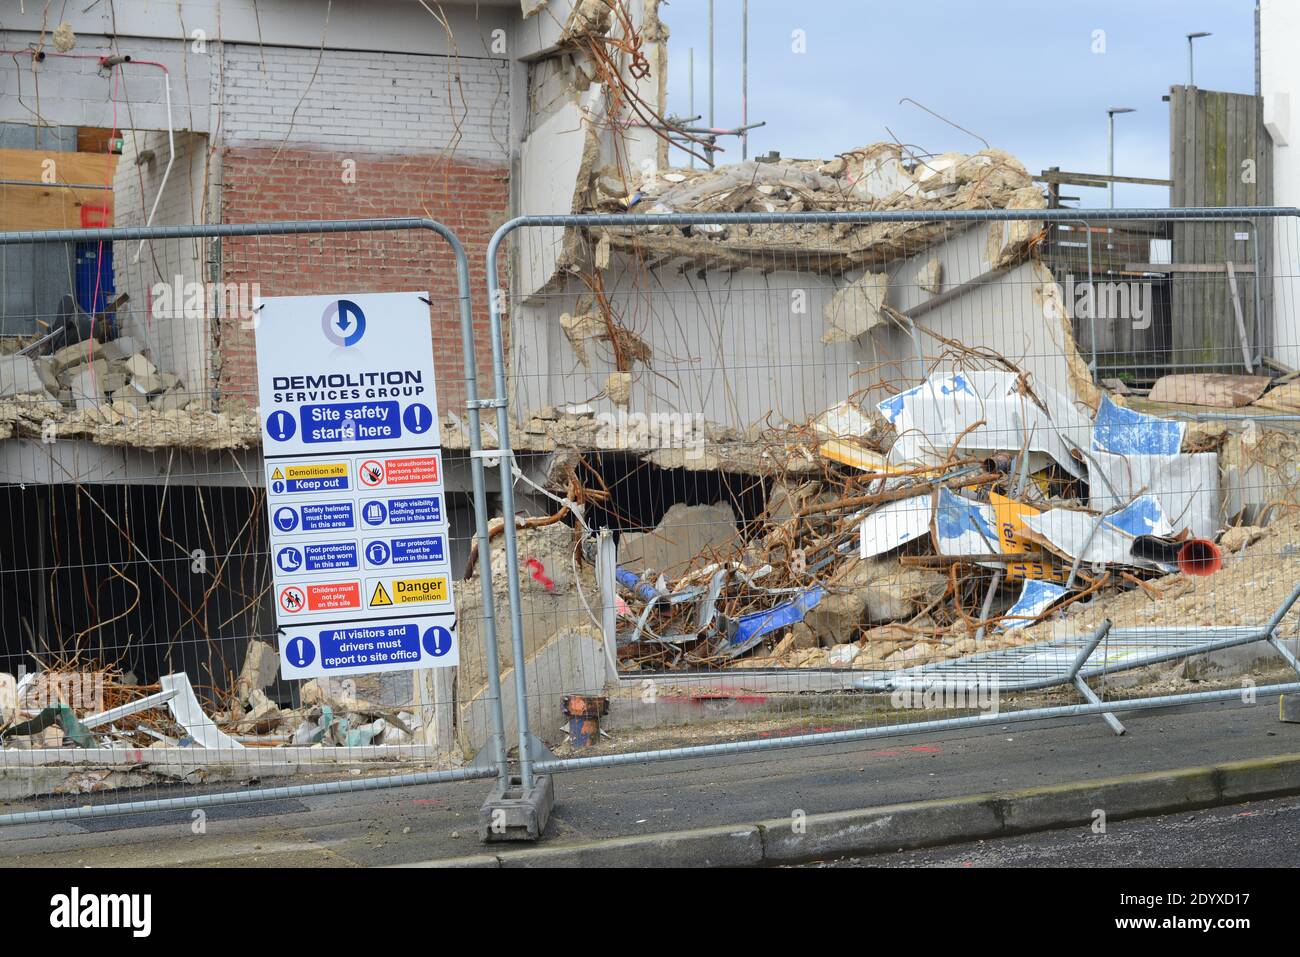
[{"x": 394, "y": 103}]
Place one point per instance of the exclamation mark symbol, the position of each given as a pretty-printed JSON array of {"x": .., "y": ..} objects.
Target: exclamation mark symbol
[
  {"x": 415, "y": 414},
  {"x": 279, "y": 426},
  {"x": 298, "y": 649}
]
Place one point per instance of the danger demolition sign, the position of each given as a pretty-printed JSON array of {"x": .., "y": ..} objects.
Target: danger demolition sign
[{"x": 358, "y": 524}]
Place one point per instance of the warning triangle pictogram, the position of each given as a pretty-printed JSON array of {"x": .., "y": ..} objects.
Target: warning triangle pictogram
[
  {"x": 277, "y": 474},
  {"x": 380, "y": 597}
]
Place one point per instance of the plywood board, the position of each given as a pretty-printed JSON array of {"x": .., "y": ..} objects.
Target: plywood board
[{"x": 42, "y": 189}]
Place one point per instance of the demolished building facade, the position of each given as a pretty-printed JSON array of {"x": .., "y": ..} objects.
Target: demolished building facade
[{"x": 744, "y": 448}]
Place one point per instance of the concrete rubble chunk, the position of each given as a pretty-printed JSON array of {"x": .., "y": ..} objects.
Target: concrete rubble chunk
[
  {"x": 120, "y": 348},
  {"x": 86, "y": 391},
  {"x": 580, "y": 329},
  {"x": 855, "y": 309},
  {"x": 930, "y": 276},
  {"x": 130, "y": 397},
  {"x": 18, "y": 376},
  {"x": 685, "y": 532},
  {"x": 172, "y": 400},
  {"x": 618, "y": 386},
  {"x": 261, "y": 665},
  {"x": 76, "y": 353},
  {"x": 48, "y": 372},
  {"x": 138, "y": 367}
]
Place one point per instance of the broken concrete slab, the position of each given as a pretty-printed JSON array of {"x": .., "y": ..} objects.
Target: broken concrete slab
[
  {"x": 78, "y": 352},
  {"x": 685, "y": 532},
  {"x": 18, "y": 376},
  {"x": 120, "y": 348},
  {"x": 855, "y": 309},
  {"x": 86, "y": 391}
]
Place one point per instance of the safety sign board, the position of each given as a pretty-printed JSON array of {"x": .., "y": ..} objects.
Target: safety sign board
[{"x": 356, "y": 507}]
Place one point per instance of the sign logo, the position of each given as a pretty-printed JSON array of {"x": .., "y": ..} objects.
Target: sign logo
[
  {"x": 371, "y": 472},
  {"x": 343, "y": 322},
  {"x": 300, "y": 652},
  {"x": 292, "y": 599}
]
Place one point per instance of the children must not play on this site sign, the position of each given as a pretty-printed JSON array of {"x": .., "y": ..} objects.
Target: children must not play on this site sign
[{"x": 354, "y": 486}]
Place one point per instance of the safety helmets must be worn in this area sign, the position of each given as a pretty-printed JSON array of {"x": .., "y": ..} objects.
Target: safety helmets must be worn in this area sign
[{"x": 358, "y": 525}]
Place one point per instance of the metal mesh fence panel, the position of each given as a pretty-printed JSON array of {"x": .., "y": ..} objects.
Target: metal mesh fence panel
[
  {"x": 141, "y": 657},
  {"x": 816, "y": 478}
]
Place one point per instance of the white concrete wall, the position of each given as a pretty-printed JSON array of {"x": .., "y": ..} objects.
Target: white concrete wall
[
  {"x": 1280, "y": 86},
  {"x": 179, "y": 344},
  {"x": 736, "y": 347}
]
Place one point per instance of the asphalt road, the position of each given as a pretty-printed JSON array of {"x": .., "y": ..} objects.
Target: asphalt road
[
  {"x": 1257, "y": 834},
  {"x": 415, "y": 824}
]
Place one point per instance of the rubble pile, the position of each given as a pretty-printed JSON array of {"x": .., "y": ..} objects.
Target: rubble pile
[
  {"x": 111, "y": 393},
  {"x": 880, "y": 177},
  {"x": 88, "y": 706},
  {"x": 948, "y": 519}
]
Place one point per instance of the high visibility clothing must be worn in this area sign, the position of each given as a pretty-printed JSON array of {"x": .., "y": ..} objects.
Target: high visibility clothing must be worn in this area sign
[{"x": 353, "y": 463}]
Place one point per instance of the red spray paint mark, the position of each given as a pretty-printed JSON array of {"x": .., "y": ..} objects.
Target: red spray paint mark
[{"x": 539, "y": 574}]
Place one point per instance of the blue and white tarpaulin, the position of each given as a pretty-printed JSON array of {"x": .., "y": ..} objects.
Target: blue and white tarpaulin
[
  {"x": 981, "y": 412},
  {"x": 1123, "y": 431},
  {"x": 1035, "y": 598},
  {"x": 1186, "y": 486},
  {"x": 894, "y": 524},
  {"x": 1071, "y": 533},
  {"x": 963, "y": 526}
]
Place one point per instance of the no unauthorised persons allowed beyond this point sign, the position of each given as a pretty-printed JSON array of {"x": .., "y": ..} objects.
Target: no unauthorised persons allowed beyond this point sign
[{"x": 349, "y": 405}]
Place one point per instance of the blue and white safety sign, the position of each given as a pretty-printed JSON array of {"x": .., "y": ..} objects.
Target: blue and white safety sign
[{"x": 355, "y": 500}]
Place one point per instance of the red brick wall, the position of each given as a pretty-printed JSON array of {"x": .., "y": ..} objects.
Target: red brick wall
[{"x": 258, "y": 186}]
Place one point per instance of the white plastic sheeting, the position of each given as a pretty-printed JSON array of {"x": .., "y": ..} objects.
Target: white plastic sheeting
[{"x": 982, "y": 412}]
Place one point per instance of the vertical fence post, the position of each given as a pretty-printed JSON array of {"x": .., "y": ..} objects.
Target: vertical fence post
[
  {"x": 490, "y": 661},
  {"x": 496, "y": 296}
]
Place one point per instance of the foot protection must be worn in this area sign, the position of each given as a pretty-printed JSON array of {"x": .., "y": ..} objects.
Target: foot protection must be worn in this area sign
[{"x": 353, "y": 463}]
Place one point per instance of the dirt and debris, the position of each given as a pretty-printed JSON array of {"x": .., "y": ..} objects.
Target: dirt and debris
[{"x": 987, "y": 529}]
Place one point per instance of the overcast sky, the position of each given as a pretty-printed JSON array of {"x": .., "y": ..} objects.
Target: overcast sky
[{"x": 1023, "y": 74}]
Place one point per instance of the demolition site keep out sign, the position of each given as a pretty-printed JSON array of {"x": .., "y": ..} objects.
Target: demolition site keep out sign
[{"x": 358, "y": 519}]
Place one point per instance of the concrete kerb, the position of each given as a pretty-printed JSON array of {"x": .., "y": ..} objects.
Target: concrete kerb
[{"x": 935, "y": 823}]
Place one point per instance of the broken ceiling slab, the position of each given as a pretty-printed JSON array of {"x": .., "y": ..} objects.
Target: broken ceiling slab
[{"x": 877, "y": 177}]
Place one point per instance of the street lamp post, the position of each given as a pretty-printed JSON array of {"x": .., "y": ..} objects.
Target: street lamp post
[
  {"x": 1110, "y": 117},
  {"x": 1191, "y": 38}
]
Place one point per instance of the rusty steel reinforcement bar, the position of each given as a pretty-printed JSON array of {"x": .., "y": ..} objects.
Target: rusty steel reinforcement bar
[{"x": 473, "y": 403}]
